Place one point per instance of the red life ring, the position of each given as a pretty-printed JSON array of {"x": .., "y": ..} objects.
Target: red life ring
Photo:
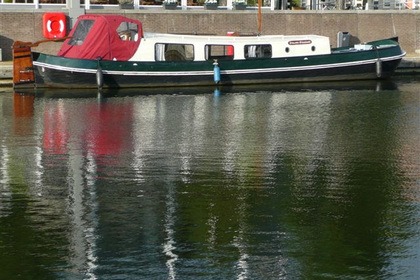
[{"x": 54, "y": 25}]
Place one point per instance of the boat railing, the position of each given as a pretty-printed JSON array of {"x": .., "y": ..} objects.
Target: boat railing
[{"x": 138, "y": 4}]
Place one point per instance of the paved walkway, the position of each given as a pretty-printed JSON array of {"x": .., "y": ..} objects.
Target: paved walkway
[
  {"x": 6, "y": 73},
  {"x": 409, "y": 64}
]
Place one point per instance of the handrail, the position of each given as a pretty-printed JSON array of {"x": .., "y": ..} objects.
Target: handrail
[{"x": 50, "y": 6}]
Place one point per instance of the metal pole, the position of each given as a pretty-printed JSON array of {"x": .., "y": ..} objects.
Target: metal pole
[{"x": 74, "y": 10}]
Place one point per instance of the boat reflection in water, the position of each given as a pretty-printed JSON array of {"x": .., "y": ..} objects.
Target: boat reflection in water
[
  {"x": 280, "y": 184},
  {"x": 376, "y": 85}
]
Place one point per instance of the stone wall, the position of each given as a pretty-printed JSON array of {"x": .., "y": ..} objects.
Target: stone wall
[{"x": 362, "y": 25}]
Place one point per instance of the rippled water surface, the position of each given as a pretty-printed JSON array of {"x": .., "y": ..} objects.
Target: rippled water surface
[{"x": 266, "y": 183}]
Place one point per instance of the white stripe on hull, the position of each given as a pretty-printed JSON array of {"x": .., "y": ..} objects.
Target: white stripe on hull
[{"x": 210, "y": 72}]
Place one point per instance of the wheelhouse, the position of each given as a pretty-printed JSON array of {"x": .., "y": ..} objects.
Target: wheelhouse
[{"x": 108, "y": 37}]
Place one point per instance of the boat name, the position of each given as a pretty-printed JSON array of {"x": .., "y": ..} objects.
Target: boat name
[{"x": 299, "y": 42}]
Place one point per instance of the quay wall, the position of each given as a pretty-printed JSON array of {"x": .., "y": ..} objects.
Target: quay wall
[{"x": 362, "y": 25}]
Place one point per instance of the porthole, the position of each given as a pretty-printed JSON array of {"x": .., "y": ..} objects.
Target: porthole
[
  {"x": 287, "y": 49},
  {"x": 313, "y": 48}
]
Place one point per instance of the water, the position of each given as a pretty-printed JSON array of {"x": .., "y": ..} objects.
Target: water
[{"x": 266, "y": 183}]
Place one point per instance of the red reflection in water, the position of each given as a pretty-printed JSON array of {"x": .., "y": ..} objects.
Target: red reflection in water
[
  {"x": 104, "y": 128},
  {"x": 55, "y": 129},
  {"x": 109, "y": 128}
]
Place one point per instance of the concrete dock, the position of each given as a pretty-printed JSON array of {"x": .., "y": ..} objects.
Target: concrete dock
[
  {"x": 6, "y": 74},
  {"x": 409, "y": 65}
]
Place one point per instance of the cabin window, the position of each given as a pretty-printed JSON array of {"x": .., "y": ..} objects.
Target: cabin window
[
  {"x": 82, "y": 29},
  {"x": 174, "y": 52},
  {"x": 257, "y": 51},
  {"x": 128, "y": 31},
  {"x": 219, "y": 52}
]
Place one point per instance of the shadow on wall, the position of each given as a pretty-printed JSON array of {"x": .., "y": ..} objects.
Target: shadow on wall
[
  {"x": 354, "y": 40},
  {"x": 6, "y": 48},
  {"x": 345, "y": 39}
]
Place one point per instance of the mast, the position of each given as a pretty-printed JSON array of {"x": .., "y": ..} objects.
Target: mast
[{"x": 259, "y": 17}]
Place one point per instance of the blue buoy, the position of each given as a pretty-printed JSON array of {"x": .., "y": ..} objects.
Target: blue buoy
[{"x": 216, "y": 72}]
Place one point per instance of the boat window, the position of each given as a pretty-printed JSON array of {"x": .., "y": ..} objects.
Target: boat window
[
  {"x": 219, "y": 52},
  {"x": 128, "y": 31},
  {"x": 257, "y": 51},
  {"x": 82, "y": 29},
  {"x": 174, "y": 52}
]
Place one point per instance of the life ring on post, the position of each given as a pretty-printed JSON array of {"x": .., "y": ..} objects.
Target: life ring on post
[{"x": 54, "y": 25}]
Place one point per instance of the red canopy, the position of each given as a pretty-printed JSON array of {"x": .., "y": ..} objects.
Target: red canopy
[{"x": 111, "y": 37}]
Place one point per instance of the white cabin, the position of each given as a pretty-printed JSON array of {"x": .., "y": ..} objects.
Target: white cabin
[{"x": 176, "y": 47}]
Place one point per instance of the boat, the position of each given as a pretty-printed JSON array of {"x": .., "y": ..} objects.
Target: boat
[{"x": 113, "y": 51}]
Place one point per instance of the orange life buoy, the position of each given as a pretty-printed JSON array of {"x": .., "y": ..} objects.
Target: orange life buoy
[{"x": 54, "y": 25}]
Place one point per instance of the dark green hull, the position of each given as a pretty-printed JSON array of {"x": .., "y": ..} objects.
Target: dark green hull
[{"x": 341, "y": 64}]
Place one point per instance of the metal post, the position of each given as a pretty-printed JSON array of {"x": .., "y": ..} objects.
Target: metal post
[
  {"x": 74, "y": 11},
  {"x": 274, "y": 4},
  {"x": 184, "y": 4},
  {"x": 229, "y": 4}
]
